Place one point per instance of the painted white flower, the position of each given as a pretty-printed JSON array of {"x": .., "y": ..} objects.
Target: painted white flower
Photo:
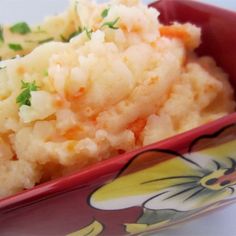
[{"x": 162, "y": 179}]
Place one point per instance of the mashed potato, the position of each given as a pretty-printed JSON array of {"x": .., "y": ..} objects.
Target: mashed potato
[
  {"x": 123, "y": 82},
  {"x": 21, "y": 39}
]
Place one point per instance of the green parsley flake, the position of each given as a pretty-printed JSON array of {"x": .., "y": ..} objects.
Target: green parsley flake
[
  {"x": 111, "y": 24},
  {"x": 15, "y": 47},
  {"x": 79, "y": 31},
  {"x": 45, "y": 40},
  {"x": 63, "y": 38},
  {"x": 72, "y": 35},
  {"x": 105, "y": 12},
  {"x": 25, "y": 95},
  {"x": 88, "y": 32},
  {"x": 1, "y": 35},
  {"x": 20, "y": 28}
]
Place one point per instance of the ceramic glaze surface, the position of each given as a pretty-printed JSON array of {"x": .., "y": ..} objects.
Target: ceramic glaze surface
[{"x": 170, "y": 187}]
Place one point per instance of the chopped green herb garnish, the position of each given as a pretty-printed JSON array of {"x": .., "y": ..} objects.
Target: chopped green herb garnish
[
  {"x": 1, "y": 35},
  {"x": 63, "y": 38},
  {"x": 111, "y": 24},
  {"x": 45, "y": 40},
  {"x": 40, "y": 41},
  {"x": 79, "y": 31},
  {"x": 72, "y": 35},
  {"x": 15, "y": 47},
  {"x": 88, "y": 32},
  {"x": 20, "y": 28},
  {"x": 105, "y": 12},
  {"x": 25, "y": 95}
]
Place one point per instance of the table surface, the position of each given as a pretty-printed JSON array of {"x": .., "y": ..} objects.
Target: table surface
[{"x": 221, "y": 223}]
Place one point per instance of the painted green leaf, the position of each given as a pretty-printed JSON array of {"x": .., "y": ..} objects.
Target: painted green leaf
[{"x": 94, "y": 229}]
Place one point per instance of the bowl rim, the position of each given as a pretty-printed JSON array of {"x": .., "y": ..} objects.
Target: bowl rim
[{"x": 216, "y": 7}]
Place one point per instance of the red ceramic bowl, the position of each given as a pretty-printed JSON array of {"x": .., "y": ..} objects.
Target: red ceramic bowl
[{"x": 151, "y": 188}]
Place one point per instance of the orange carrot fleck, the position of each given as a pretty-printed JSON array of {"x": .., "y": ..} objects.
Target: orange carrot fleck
[
  {"x": 71, "y": 146},
  {"x": 75, "y": 96},
  {"x": 59, "y": 102},
  {"x": 72, "y": 133},
  {"x": 137, "y": 126},
  {"x": 20, "y": 70},
  {"x": 176, "y": 32}
]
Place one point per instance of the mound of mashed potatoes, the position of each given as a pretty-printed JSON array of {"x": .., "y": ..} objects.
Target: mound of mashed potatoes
[{"x": 124, "y": 81}]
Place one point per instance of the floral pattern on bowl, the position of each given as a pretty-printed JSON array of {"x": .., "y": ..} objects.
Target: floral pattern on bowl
[{"x": 174, "y": 186}]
